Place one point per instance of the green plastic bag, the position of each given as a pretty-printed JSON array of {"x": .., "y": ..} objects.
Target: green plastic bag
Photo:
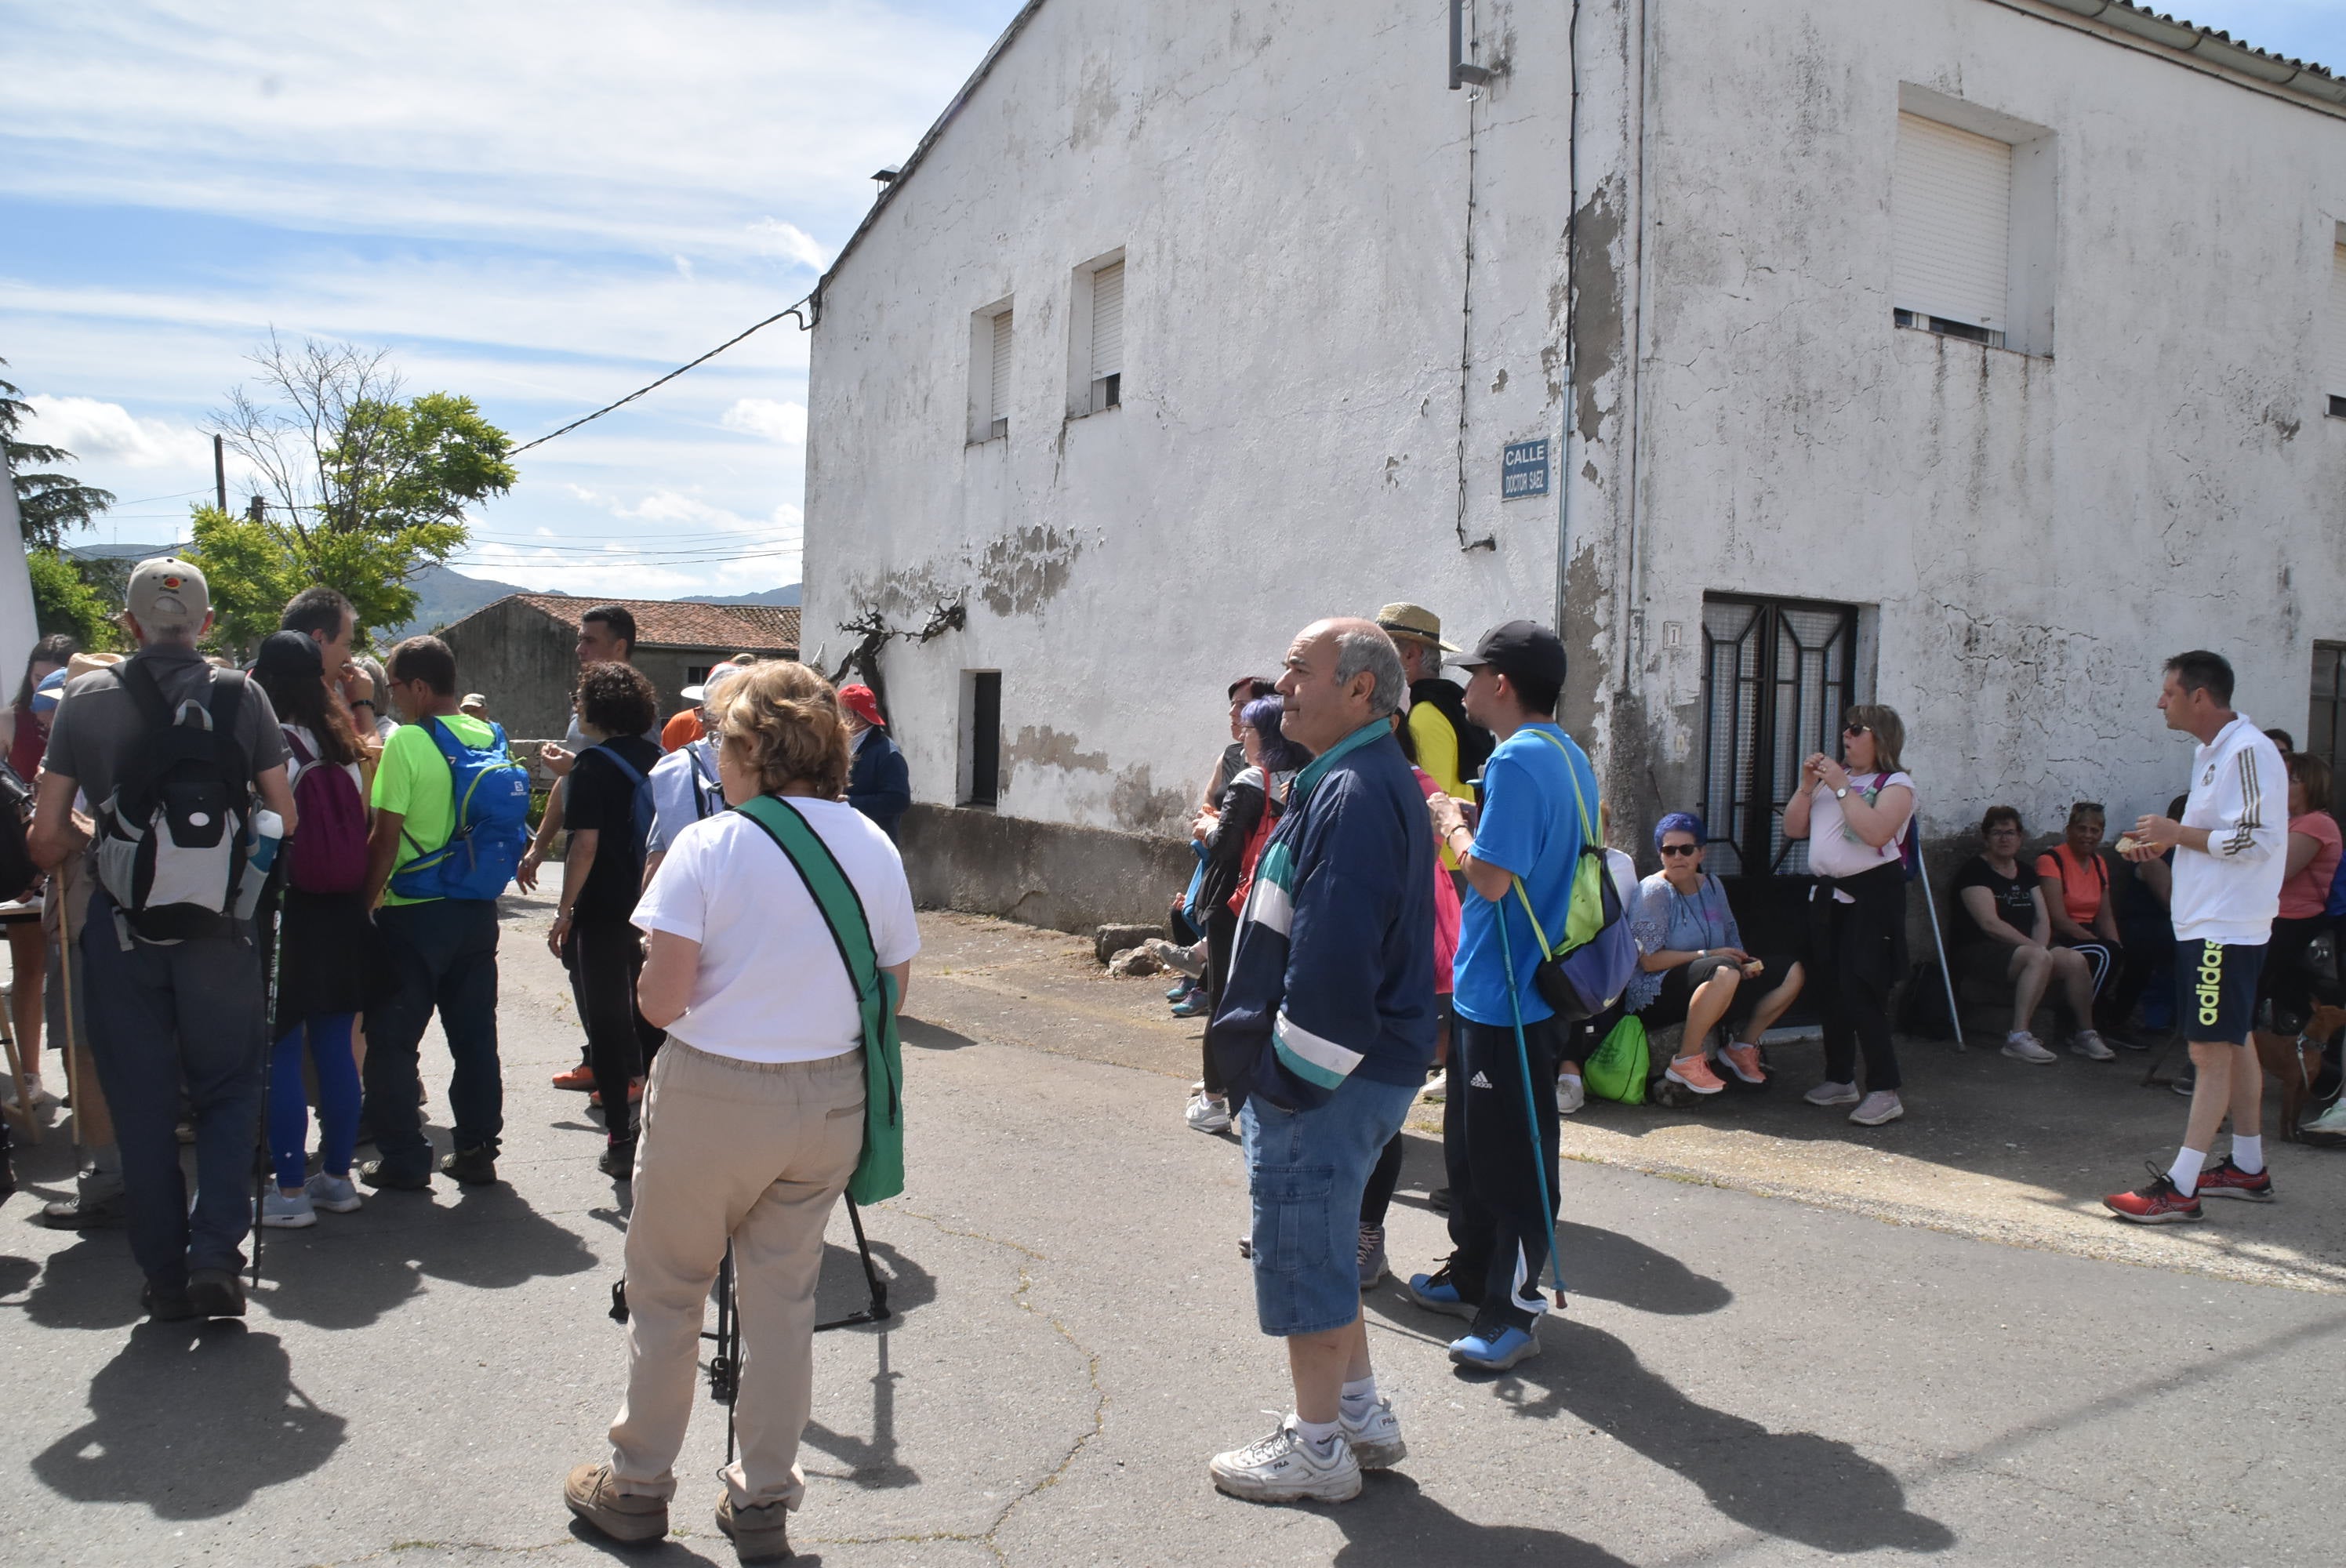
[{"x": 1618, "y": 1068}]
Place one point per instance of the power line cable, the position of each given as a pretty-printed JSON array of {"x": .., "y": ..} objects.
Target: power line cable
[{"x": 798, "y": 310}]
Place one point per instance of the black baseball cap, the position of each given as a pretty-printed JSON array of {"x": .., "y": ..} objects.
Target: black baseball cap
[{"x": 1520, "y": 650}]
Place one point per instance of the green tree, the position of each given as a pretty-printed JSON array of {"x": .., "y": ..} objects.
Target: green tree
[
  {"x": 363, "y": 489},
  {"x": 63, "y": 601},
  {"x": 47, "y": 503}
]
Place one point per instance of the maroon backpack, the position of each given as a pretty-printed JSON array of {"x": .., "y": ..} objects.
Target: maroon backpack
[{"x": 329, "y": 851}]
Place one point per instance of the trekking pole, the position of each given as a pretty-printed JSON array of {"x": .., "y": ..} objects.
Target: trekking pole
[
  {"x": 1531, "y": 1115},
  {"x": 877, "y": 1312},
  {"x": 1946, "y": 975},
  {"x": 725, "y": 1365}
]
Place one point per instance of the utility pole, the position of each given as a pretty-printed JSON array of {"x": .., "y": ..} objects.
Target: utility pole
[{"x": 219, "y": 472}]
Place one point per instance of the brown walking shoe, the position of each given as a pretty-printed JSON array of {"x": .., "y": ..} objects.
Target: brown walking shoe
[
  {"x": 759, "y": 1534},
  {"x": 596, "y": 1498}
]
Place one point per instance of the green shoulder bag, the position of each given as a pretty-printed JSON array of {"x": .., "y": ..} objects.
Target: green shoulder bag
[
  {"x": 1617, "y": 1069},
  {"x": 880, "y": 1170}
]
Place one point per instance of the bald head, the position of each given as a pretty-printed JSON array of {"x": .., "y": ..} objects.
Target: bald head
[{"x": 1340, "y": 675}]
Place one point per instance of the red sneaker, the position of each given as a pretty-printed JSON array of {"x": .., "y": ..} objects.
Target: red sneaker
[
  {"x": 634, "y": 1094},
  {"x": 582, "y": 1076},
  {"x": 2158, "y": 1203},
  {"x": 2225, "y": 1179}
]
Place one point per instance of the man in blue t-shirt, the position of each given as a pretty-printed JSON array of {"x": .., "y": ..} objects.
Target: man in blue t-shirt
[{"x": 1539, "y": 807}]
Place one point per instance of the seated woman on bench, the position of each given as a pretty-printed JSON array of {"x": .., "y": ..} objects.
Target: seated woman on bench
[
  {"x": 1692, "y": 967},
  {"x": 2002, "y": 933}
]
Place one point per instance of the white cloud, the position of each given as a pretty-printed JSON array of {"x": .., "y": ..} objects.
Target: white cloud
[
  {"x": 782, "y": 422},
  {"x": 108, "y": 433},
  {"x": 777, "y": 237}
]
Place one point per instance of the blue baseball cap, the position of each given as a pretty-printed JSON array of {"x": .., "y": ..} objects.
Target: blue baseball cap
[{"x": 50, "y": 692}]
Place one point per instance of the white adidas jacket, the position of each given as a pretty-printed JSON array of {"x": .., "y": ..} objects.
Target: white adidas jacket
[{"x": 2240, "y": 793}]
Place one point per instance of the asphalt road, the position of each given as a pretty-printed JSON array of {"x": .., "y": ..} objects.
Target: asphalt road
[{"x": 1741, "y": 1378}]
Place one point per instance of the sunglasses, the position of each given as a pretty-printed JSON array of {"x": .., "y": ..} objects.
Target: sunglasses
[
  {"x": 2000, "y": 829},
  {"x": 1681, "y": 849},
  {"x": 1859, "y": 729}
]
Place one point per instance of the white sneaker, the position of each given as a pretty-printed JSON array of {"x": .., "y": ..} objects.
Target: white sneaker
[
  {"x": 335, "y": 1195},
  {"x": 1375, "y": 1438},
  {"x": 1571, "y": 1094},
  {"x": 1188, "y": 961},
  {"x": 287, "y": 1211},
  {"x": 2331, "y": 1121},
  {"x": 1881, "y": 1105},
  {"x": 1207, "y": 1114},
  {"x": 1281, "y": 1468},
  {"x": 1833, "y": 1094},
  {"x": 38, "y": 1092},
  {"x": 2089, "y": 1045},
  {"x": 2023, "y": 1046}
]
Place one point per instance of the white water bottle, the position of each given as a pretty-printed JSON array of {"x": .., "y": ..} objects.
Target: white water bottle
[{"x": 268, "y": 833}]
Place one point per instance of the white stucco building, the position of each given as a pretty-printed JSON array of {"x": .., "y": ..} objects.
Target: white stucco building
[{"x": 1967, "y": 355}]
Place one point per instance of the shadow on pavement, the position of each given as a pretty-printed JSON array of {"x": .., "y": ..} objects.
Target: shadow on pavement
[
  {"x": 930, "y": 1036},
  {"x": 1796, "y": 1486},
  {"x": 1392, "y": 1522},
  {"x": 1610, "y": 1267},
  {"x": 192, "y": 1421}
]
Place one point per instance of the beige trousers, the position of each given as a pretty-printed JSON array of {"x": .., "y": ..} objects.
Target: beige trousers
[{"x": 757, "y": 1153}]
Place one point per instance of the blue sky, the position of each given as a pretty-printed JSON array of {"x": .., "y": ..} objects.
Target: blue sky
[{"x": 542, "y": 206}]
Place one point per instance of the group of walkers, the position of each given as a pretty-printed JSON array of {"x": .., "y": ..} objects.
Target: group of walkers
[
  {"x": 1396, "y": 872},
  {"x": 1358, "y": 923},
  {"x": 247, "y": 875}
]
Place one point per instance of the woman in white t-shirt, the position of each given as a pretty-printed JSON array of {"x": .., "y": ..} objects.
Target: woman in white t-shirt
[
  {"x": 1856, "y": 815},
  {"x": 753, "y": 1118}
]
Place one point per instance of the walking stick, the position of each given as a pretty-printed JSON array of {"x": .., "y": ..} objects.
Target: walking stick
[
  {"x": 1946, "y": 975},
  {"x": 1531, "y": 1115},
  {"x": 20, "y": 1111}
]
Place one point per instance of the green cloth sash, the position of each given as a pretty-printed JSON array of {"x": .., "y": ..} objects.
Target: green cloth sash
[{"x": 880, "y": 1170}]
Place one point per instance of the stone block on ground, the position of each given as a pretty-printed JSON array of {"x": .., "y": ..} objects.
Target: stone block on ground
[
  {"x": 1111, "y": 940},
  {"x": 1135, "y": 960}
]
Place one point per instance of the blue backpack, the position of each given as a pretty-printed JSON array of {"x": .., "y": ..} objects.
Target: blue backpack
[{"x": 490, "y": 793}]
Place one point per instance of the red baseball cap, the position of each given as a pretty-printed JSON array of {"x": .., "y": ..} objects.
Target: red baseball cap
[{"x": 858, "y": 700}]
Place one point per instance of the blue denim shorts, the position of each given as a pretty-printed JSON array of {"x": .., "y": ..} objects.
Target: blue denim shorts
[{"x": 1307, "y": 1170}]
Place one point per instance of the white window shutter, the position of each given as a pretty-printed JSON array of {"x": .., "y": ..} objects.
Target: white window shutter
[
  {"x": 998, "y": 396},
  {"x": 2334, "y": 367},
  {"x": 1107, "y": 321},
  {"x": 1951, "y": 216}
]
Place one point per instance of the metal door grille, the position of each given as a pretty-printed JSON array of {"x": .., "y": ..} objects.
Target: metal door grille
[
  {"x": 2326, "y": 726},
  {"x": 1778, "y": 673}
]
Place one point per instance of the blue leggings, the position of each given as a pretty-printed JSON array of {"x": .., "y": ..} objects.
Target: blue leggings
[{"x": 338, "y": 1097}]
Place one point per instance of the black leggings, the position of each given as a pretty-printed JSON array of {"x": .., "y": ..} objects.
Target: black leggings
[
  {"x": 1852, "y": 961},
  {"x": 2285, "y": 978},
  {"x": 605, "y": 957},
  {"x": 1221, "y": 936}
]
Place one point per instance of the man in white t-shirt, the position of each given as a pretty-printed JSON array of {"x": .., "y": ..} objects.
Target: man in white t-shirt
[{"x": 2230, "y": 862}]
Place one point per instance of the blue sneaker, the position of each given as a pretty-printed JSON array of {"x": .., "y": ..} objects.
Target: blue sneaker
[
  {"x": 1482, "y": 1353},
  {"x": 1180, "y": 990},
  {"x": 1190, "y": 1006},
  {"x": 1438, "y": 1292}
]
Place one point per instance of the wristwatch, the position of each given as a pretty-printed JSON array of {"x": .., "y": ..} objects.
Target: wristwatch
[{"x": 1841, "y": 793}]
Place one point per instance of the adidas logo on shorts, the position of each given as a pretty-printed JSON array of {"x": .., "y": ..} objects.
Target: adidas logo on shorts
[{"x": 1478, "y": 1082}]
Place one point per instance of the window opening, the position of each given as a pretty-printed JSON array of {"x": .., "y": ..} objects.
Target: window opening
[
  {"x": 1107, "y": 337},
  {"x": 981, "y": 739},
  {"x": 998, "y": 380}
]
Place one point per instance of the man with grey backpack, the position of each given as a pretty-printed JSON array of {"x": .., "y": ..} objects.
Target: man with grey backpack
[{"x": 170, "y": 753}]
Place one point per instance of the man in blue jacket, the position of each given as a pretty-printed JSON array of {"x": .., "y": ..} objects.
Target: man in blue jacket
[
  {"x": 879, "y": 784},
  {"x": 1326, "y": 1029}
]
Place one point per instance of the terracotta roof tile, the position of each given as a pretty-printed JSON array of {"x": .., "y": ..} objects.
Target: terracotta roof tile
[{"x": 672, "y": 623}]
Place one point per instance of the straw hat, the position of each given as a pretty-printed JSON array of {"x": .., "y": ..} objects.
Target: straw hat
[{"x": 1414, "y": 622}]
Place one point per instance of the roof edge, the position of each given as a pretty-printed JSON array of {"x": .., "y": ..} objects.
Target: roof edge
[
  {"x": 2195, "y": 47},
  {"x": 928, "y": 139}
]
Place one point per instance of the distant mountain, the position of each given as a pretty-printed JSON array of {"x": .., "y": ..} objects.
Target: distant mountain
[
  {"x": 789, "y": 596},
  {"x": 444, "y": 595}
]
